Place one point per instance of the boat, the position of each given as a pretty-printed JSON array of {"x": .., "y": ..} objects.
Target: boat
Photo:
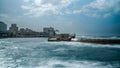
[{"x": 62, "y": 37}]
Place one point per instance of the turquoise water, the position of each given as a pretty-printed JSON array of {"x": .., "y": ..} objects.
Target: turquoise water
[{"x": 39, "y": 53}]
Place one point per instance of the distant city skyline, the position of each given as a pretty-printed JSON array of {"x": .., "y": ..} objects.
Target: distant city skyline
[{"x": 83, "y": 17}]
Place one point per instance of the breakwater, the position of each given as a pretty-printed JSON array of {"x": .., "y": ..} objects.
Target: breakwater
[{"x": 98, "y": 41}]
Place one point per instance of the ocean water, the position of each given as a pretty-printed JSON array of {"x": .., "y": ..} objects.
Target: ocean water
[{"x": 39, "y": 53}]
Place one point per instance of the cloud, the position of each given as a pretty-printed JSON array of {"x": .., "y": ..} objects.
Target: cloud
[
  {"x": 104, "y": 8},
  {"x": 107, "y": 15},
  {"x": 77, "y": 11},
  {"x": 9, "y": 18},
  {"x": 25, "y": 7},
  {"x": 96, "y": 8},
  {"x": 45, "y": 7},
  {"x": 4, "y": 15},
  {"x": 25, "y": 0}
]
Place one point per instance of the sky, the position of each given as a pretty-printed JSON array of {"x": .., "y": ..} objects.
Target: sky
[{"x": 83, "y": 17}]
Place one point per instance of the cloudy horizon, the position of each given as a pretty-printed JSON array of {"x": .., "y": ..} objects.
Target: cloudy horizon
[{"x": 84, "y": 17}]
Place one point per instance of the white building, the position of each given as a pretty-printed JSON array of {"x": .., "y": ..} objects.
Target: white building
[{"x": 13, "y": 29}]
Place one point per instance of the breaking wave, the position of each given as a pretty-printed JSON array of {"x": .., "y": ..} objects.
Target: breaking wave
[{"x": 38, "y": 53}]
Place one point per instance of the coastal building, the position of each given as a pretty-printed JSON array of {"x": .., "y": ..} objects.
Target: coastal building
[
  {"x": 27, "y": 30},
  {"x": 3, "y": 27},
  {"x": 3, "y": 30},
  {"x": 24, "y": 31},
  {"x": 49, "y": 31},
  {"x": 21, "y": 32},
  {"x": 13, "y": 29},
  {"x": 28, "y": 33}
]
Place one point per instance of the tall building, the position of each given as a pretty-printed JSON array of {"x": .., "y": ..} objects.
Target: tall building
[
  {"x": 13, "y": 29},
  {"x": 3, "y": 27},
  {"x": 3, "y": 30},
  {"x": 49, "y": 31}
]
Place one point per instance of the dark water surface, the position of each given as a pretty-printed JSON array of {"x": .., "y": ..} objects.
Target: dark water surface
[{"x": 38, "y": 53}]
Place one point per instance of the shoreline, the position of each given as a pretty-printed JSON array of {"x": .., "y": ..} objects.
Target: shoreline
[
  {"x": 84, "y": 40},
  {"x": 23, "y": 37}
]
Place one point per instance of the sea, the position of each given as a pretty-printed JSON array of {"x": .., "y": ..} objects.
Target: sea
[{"x": 39, "y": 53}]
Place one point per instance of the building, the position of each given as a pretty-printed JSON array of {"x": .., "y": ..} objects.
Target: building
[
  {"x": 26, "y": 32},
  {"x": 3, "y": 27},
  {"x": 3, "y": 30},
  {"x": 21, "y": 32},
  {"x": 13, "y": 29},
  {"x": 49, "y": 31}
]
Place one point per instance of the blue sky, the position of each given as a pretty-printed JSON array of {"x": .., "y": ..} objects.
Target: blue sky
[{"x": 84, "y": 17}]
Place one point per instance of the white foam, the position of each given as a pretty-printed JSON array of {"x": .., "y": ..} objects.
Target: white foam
[
  {"x": 72, "y": 64},
  {"x": 60, "y": 49},
  {"x": 80, "y": 44}
]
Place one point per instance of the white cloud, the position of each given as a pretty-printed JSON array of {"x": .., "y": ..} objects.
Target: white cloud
[
  {"x": 38, "y": 2},
  {"x": 9, "y": 18},
  {"x": 107, "y": 15},
  {"x": 25, "y": 7},
  {"x": 100, "y": 4},
  {"x": 68, "y": 12},
  {"x": 25, "y": 0},
  {"x": 96, "y": 8},
  {"x": 5, "y": 16},
  {"x": 46, "y": 7},
  {"x": 77, "y": 11},
  {"x": 104, "y": 8}
]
